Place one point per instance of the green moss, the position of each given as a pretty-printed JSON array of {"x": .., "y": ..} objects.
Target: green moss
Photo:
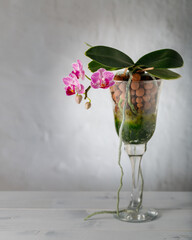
[{"x": 136, "y": 129}]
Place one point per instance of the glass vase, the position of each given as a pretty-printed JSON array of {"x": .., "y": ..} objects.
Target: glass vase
[{"x": 136, "y": 106}]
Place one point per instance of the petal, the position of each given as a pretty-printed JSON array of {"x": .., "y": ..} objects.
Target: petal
[
  {"x": 67, "y": 80},
  {"x": 70, "y": 90},
  {"x": 95, "y": 85},
  {"x": 76, "y": 73},
  {"x": 95, "y": 77},
  {"x": 80, "y": 65},
  {"x": 101, "y": 72},
  {"x": 78, "y": 69},
  {"x": 111, "y": 83},
  {"x": 75, "y": 80},
  {"x": 83, "y": 75},
  {"x": 108, "y": 75},
  {"x": 75, "y": 66},
  {"x": 105, "y": 87},
  {"x": 105, "y": 83},
  {"x": 80, "y": 89}
]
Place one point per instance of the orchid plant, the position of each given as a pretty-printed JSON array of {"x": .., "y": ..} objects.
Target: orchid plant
[{"x": 106, "y": 59}]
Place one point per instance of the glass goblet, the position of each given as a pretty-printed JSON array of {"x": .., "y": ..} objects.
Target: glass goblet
[{"x": 139, "y": 122}]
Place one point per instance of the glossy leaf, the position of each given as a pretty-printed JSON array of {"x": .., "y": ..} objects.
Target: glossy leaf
[
  {"x": 164, "y": 58},
  {"x": 164, "y": 73},
  {"x": 110, "y": 57},
  {"x": 94, "y": 66}
]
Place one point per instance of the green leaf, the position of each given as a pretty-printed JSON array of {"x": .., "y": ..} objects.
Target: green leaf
[
  {"x": 164, "y": 73},
  {"x": 110, "y": 57},
  {"x": 94, "y": 66},
  {"x": 164, "y": 58}
]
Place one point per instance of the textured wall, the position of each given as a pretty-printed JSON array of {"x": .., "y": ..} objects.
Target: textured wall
[{"x": 47, "y": 141}]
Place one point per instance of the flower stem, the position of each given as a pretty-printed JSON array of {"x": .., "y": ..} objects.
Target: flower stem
[
  {"x": 88, "y": 44},
  {"x": 89, "y": 99},
  {"x": 86, "y": 91},
  {"x": 87, "y": 77}
]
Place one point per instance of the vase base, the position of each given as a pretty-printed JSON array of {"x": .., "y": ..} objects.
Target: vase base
[{"x": 143, "y": 215}]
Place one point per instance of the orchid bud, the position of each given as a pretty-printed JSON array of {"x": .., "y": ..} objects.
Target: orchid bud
[
  {"x": 78, "y": 99},
  {"x": 87, "y": 105}
]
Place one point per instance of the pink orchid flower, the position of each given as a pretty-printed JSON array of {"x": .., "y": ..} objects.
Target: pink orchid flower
[
  {"x": 72, "y": 85},
  {"x": 102, "y": 79},
  {"x": 78, "y": 70}
]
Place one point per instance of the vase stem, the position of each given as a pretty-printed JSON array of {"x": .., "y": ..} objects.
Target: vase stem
[{"x": 135, "y": 153}]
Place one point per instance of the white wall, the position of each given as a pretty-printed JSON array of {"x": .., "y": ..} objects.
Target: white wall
[{"x": 47, "y": 141}]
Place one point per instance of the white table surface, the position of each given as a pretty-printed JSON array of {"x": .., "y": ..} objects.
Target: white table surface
[{"x": 60, "y": 215}]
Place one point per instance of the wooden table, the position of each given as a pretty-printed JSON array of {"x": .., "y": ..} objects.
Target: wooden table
[{"x": 60, "y": 215}]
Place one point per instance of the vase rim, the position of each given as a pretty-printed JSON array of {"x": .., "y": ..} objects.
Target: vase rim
[{"x": 151, "y": 80}]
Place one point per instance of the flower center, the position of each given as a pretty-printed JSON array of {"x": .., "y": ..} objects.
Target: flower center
[
  {"x": 72, "y": 90},
  {"x": 103, "y": 83}
]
